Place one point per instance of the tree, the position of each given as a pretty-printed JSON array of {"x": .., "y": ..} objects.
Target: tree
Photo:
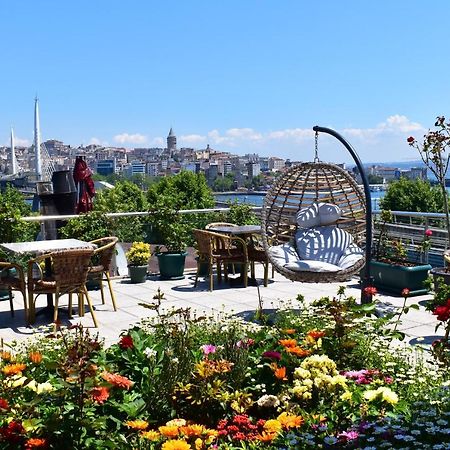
[
  {"x": 375, "y": 179},
  {"x": 412, "y": 195}
]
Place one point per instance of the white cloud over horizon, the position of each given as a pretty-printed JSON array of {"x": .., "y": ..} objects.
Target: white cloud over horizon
[{"x": 126, "y": 138}]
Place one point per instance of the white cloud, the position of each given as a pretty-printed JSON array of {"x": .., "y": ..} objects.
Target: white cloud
[
  {"x": 192, "y": 139},
  {"x": 126, "y": 138},
  {"x": 97, "y": 141},
  {"x": 157, "y": 142},
  {"x": 18, "y": 142}
]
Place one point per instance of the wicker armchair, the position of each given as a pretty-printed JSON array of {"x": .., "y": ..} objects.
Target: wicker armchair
[
  {"x": 69, "y": 269},
  {"x": 214, "y": 248},
  {"x": 101, "y": 262},
  {"x": 14, "y": 282}
]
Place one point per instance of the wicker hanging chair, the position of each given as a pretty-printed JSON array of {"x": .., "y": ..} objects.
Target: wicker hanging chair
[{"x": 300, "y": 187}]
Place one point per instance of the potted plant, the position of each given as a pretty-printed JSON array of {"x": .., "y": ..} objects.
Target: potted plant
[
  {"x": 173, "y": 234},
  {"x": 138, "y": 256},
  {"x": 390, "y": 268}
]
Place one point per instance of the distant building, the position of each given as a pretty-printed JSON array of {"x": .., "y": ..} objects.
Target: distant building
[
  {"x": 171, "y": 142},
  {"x": 276, "y": 164},
  {"x": 106, "y": 166},
  {"x": 253, "y": 169},
  {"x": 137, "y": 167}
]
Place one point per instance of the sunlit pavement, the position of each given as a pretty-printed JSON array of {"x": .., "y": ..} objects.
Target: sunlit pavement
[{"x": 419, "y": 325}]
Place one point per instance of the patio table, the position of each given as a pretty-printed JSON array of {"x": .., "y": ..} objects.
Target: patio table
[{"x": 40, "y": 247}]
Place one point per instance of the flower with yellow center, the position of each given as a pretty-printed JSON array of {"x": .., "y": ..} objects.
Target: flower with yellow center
[
  {"x": 288, "y": 421},
  {"x": 199, "y": 444},
  {"x": 169, "y": 431},
  {"x": 177, "y": 444},
  {"x": 192, "y": 430},
  {"x": 272, "y": 426},
  {"x": 266, "y": 437},
  {"x": 151, "y": 435},
  {"x": 137, "y": 424},
  {"x": 13, "y": 369}
]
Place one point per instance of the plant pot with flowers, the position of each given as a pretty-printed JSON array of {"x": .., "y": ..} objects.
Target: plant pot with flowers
[
  {"x": 137, "y": 257},
  {"x": 391, "y": 270},
  {"x": 173, "y": 231}
]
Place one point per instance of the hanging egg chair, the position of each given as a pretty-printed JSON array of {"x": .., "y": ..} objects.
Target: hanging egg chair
[{"x": 302, "y": 188}]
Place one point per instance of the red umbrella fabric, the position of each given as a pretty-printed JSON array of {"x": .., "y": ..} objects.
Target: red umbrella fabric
[{"x": 85, "y": 185}]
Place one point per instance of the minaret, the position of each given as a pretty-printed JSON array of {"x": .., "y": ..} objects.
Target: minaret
[
  {"x": 171, "y": 141},
  {"x": 14, "y": 168},
  {"x": 37, "y": 141}
]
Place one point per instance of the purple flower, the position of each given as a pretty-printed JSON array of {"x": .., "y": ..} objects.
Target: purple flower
[
  {"x": 348, "y": 435},
  {"x": 208, "y": 348},
  {"x": 272, "y": 355}
]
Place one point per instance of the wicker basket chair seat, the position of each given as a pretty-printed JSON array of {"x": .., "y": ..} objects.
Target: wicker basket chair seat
[
  {"x": 12, "y": 278},
  {"x": 215, "y": 248},
  {"x": 300, "y": 187},
  {"x": 69, "y": 270},
  {"x": 101, "y": 263}
]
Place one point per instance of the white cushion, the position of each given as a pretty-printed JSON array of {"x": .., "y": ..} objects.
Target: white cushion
[
  {"x": 308, "y": 217},
  {"x": 326, "y": 244},
  {"x": 352, "y": 254},
  {"x": 329, "y": 213},
  {"x": 312, "y": 266},
  {"x": 283, "y": 254}
]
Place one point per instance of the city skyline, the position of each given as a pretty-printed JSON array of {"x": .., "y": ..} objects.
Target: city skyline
[{"x": 243, "y": 78}]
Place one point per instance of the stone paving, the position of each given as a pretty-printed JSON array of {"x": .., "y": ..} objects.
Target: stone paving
[{"x": 418, "y": 325}]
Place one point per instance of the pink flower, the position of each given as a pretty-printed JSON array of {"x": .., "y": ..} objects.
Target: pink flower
[
  {"x": 348, "y": 435},
  {"x": 272, "y": 355},
  {"x": 208, "y": 348},
  {"x": 428, "y": 233},
  {"x": 405, "y": 292}
]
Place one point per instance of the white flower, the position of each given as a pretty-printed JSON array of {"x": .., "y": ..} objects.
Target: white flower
[{"x": 149, "y": 352}]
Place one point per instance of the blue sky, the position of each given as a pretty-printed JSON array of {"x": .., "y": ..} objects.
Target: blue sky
[{"x": 243, "y": 76}]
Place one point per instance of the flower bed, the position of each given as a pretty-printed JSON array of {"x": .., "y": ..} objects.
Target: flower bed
[{"x": 326, "y": 376}]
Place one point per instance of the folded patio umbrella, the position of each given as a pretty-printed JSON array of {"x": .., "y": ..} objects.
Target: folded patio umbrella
[{"x": 85, "y": 185}]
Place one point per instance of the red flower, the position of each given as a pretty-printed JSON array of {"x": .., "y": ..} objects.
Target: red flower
[
  {"x": 12, "y": 432},
  {"x": 117, "y": 380},
  {"x": 428, "y": 233},
  {"x": 35, "y": 443},
  {"x": 442, "y": 312},
  {"x": 411, "y": 140},
  {"x": 126, "y": 342},
  {"x": 370, "y": 290},
  {"x": 405, "y": 292},
  {"x": 100, "y": 394},
  {"x": 4, "y": 404}
]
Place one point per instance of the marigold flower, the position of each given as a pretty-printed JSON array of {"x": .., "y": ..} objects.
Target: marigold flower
[
  {"x": 117, "y": 380},
  {"x": 192, "y": 430},
  {"x": 290, "y": 420},
  {"x": 100, "y": 394},
  {"x": 7, "y": 356},
  {"x": 35, "y": 357},
  {"x": 176, "y": 445},
  {"x": 35, "y": 443},
  {"x": 126, "y": 342},
  {"x": 266, "y": 437},
  {"x": 14, "y": 369},
  {"x": 288, "y": 342},
  {"x": 288, "y": 331},
  {"x": 151, "y": 435},
  {"x": 137, "y": 424},
  {"x": 315, "y": 334},
  {"x": 169, "y": 431},
  {"x": 280, "y": 373},
  {"x": 298, "y": 351},
  {"x": 272, "y": 426}
]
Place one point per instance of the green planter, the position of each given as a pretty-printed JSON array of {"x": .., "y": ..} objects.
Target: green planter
[
  {"x": 171, "y": 265},
  {"x": 137, "y": 274},
  {"x": 393, "y": 279}
]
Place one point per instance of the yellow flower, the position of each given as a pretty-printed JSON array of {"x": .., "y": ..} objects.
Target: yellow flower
[
  {"x": 17, "y": 381},
  {"x": 39, "y": 388},
  {"x": 14, "y": 369},
  {"x": 192, "y": 430},
  {"x": 272, "y": 426},
  {"x": 290, "y": 420},
  {"x": 176, "y": 445},
  {"x": 151, "y": 435},
  {"x": 389, "y": 396},
  {"x": 137, "y": 424},
  {"x": 347, "y": 395},
  {"x": 370, "y": 395},
  {"x": 198, "y": 444}
]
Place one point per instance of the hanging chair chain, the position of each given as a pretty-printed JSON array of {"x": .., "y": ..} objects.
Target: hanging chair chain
[{"x": 316, "y": 148}]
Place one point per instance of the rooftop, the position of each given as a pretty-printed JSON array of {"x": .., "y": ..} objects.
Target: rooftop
[{"x": 234, "y": 299}]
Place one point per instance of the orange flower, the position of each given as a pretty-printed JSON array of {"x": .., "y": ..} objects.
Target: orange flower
[
  {"x": 100, "y": 394},
  {"x": 288, "y": 342},
  {"x": 192, "y": 430},
  {"x": 290, "y": 420},
  {"x": 298, "y": 351},
  {"x": 151, "y": 435},
  {"x": 169, "y": 431},
  {"x": 280, "y": 373},
  {"x": 7, "y": 356},
  {"x": 137, "y": 424},
  {"x": 13, "y": 369},
  {"x": 35, "y": 357},
  {"x": 176, "y": 445},
  {"x": 117, "y": 380},
  {"x": 288, "y": 331},
  {"x": 35, "y": 443},
  {"x": 266, "y": 437},
  {"x": 315, "y": 334}
]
